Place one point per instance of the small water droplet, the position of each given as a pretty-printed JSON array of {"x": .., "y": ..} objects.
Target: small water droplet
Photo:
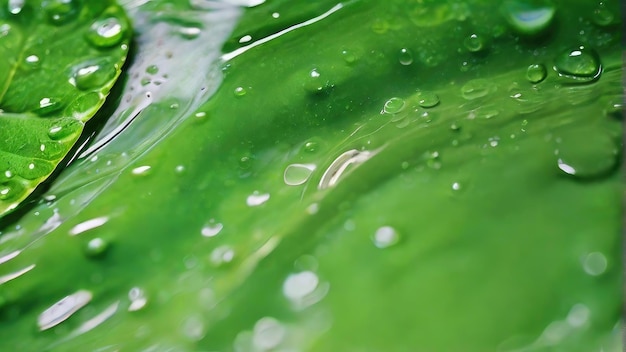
[
  {"x": 529, "y": 16},
  {"x": 393, "y": 105},
  {"x": 311, "y": 146},
  {"x": 348, "y": 56},
  {"x": 93, "y": 74},
  {"x": 477, "y": 88},
  {"x": 190, "y": 32},
  {"x": 456, "y": 186},
  {"x": 297, "y": 174},
  {"x": 61, "y": 11},
  {"x": 579, "y": 64},
  {"x": 240, "y": 91},
  {"x": 268, "y": 333},
  {"x": 142, "y": 170},
  {"x": 602, "y": 16},
  {"x": 179, "y": 169},
  {"x": 152, "y": 69},
  {"x": 257, "y": 198},
  {"x": 194, "y": 327},
  {"x": 96, "y": 247},
  {"x": 106, "y": 32},
  {"x": 427, "y": 99},
  {"x": 48, "y": 106},
  {"x": 222, "y": 255},
  {"x": 315, "y": 82},
  {"x": 211, "y": 229},
  {"x": 536, "y": 73},
  {"x": 32, "y": 62},
  {"x": 137, "y": 299},
  {"x": 405, "y": 57},
  {"x": 64, "y": 128},
  {"x": 385, "y": 237},
  {"x": 15, "y": 6},
  {"x": 474, "y": 43},
  {"x": 595, "y": 264},
  {"x": 10, "y": 190}
]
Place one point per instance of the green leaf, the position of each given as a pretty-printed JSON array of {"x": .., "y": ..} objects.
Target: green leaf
[
  {"x": 58, "y": 61},
  {"x": 376, "y": 176}
]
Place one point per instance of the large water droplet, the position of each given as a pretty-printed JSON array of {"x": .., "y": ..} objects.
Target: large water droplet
[
  {"x": 385, "y": 236},
  {"x": 579, "y": 64},
  {"x": 536, "y": 73},
  {"x": 61, "y": 11},
  {"x": 602, "y": 16},
  {"x": 297, "y": 174},
  {"x": 15, "y": 6},
  {"x": 393, "y": 106},
  {"x": 106, "y": 32},
  {"x": 84, "y": 105},
  {"x": 63, "y": 309},
  {"x": 64, "y": 128},
  {"x": 47, "y": 106},
  {"x": 427, "y": 99},
  {"x": 93, "y": 74},
  {"x": 10, "y": 190},
  {"x": 529, "y": 16},
  {"x": 587, "y": 153}
]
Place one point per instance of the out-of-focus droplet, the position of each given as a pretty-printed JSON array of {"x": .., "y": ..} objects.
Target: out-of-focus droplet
[
  {"x": 602, "y": 16},
  {"x": 348, "y": 56},
  {"x": 152, "y": 69},
  {"x": 393, "y": 105},
  {"x": 267, "y": 334},
  {"x": 194, "y": 327},
  {"x": 578, "y": 316},
  {"x": 15, "y": 6},
  {"x": 211, "y": 229},
  {"x": 222, "y": 255},
  {"x": 61, "y": 11},
  {"x": 143, "y": 170},
  {"x": 536, "y": 73},
  {"x": 138, "y": 299},
  {"x": 405, "y": 57},
  {"x": 257, "y": 198},
  {"x": 385, "y": 237},
  {"x": 477, "y": 88},
  {"x": 529, "y": 16},
  {"x": 298, "y": 286},
  {"x": 63, "y": 309},
  {"x": 595, "y": 263},
  {"x": 96, "y": 247},
  {"x": 579, "y": 64},
  {"x": 297, "y": 174}
]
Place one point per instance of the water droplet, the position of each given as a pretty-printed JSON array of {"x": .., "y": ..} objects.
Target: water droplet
[
  {"x": 194, "y": 328},
  {"x": 15, "y": 6},
  {"x": 142, "y": 170},
  {"x": 474, "y": 43},
  {"x": 93, "y": 74},
  {"x": 190, "y": 32},
  {"x": 393, "y": 106},
  {"x": 315, "y": 83},
  {"x": 596, "y": 157},
  {"x": 257, "y": 198},
  {"x": 96, "y": 247},
  {"x": 602, "y": 16},
  {"x": 106, "y": 32},
  {"x": 529, "y": 16},
  {"x": 580, "y": 64},
  {"x": 240, "y": 91},
  {"x": 405, "y": 57},
  {"x": 268, "y": 333},
  {"x": 341, "y": 164},
  {"x": 311, "y": 146},
  {"x": 297, "y": 286},
  {"x": 84, "y": 105},
  {"x": 297, "y": 174},
  {"x": 61, "y": 11},
  {"x": 88, "y": 225},
  {"x": 348, "y": 56},
  {"x": 63, "y": 309},
  {"x": 32, "y": 62},
  {"x": 427, "y": 99},
  {"x": 578, "y": 315},
  {"x": 48, "y": 106},
  {"x": 456, "y": 186},
  {"x": 35, "y": 169},
  {"x": 595, "y": 264},
  {"x": 64, "y": 128},
  {"x": 179, "y": 169},
  {"x": 385, "y": 237},
  {"x": 477, "y": 88},
  {"x": 222, "y": 255},
  {"x": 10, "y": 190},
  {"x": 137, "y": 299},
  {"x": 536, "y": 73},
  {"x": 211, "y": 229},
  {"x": 152, "y": 69}
]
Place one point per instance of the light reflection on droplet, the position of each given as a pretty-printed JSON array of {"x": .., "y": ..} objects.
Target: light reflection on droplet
[
  {"x": 137, "y": 298},
  {"x": 256, "y": 199},
  {"x": 222, "y": 255},
  {"x": 298, "y": 286},
  {"x": 88, "y": 225},
  {"x": 385, "y": 236},
  {"x": 212, "y": 229},
  {"x": 297, "y": 174},
  {"x": 141, "y": 170},
  {"x": 63, "y": 309}
]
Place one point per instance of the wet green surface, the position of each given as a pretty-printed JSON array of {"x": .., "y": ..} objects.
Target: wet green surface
[{"x": 383, "y": 176}]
